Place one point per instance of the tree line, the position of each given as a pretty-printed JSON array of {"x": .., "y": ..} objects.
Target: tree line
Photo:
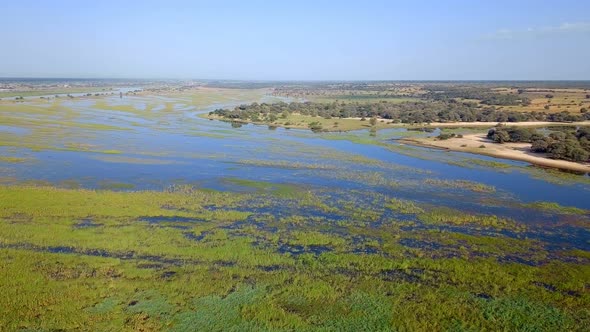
[
  {"x": 448, "y": 110},
  {"x": 562, "y": 143},
  {"x": 485, "y": 95}
]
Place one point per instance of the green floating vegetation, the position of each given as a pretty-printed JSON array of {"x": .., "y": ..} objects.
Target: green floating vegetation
[
  {"x": 556, "y": 208},
  {"x": 77, "y": 147},
  {"x": 285, "y": 164},
  {"x": 448, "y": 216},
  {"x": 521, "y": 315},
  {"x": 115, "y": 185},
  {"x": 5, "y": 159},
  {"x": 278, "y": 189},
  {"x": 403, "y": 206},
  {"x": 469, "y": 162},
  {"x": 556, "y": 176},
  {"x": 372, "y": 178},
  {"x": 86, "y": 148},
  {"x": 133, "y": 160},
  {"x": 307, "y": 238},
  {"x": 185, "y": 258},
  {"x": 462, "y": 184},
  {"x": 214, "y": 313}
]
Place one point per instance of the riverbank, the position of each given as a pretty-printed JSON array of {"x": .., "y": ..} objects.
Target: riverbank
[
  {"x": 479, "y": 144},
  {"x": 300, "y": 121}
]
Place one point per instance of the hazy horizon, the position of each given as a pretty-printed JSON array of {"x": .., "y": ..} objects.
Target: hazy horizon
[
  {"x": 303, "y": 41},
  {"x": 26, "y": 78}
]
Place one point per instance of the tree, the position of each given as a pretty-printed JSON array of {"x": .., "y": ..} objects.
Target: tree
[
  {"x": 556, "y": 150},
  {"x": 502, "y": 137},
  {"x": 499, "y": 135},
  {"x": 521, "y": 134},
  {"x": 315, "y": 126},
  {"x": 373, "y": 121},
  {"x": 445, "y": 136},
  {"x": 583, "y": 132},
  {"x": 578, "y": 154},
  {"x": 539, "y": 145}
]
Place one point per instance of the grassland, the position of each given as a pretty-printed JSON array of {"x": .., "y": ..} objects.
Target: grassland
[
  {"x": 568, "y": 100},
  {"x": 299, "y": 121},
  {"x": 194, "y": 259},
  {"x": 52, "y": 92}
]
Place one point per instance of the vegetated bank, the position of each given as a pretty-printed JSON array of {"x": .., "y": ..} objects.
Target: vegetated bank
[
  {"x": 560, "y": 147},
  {"x": 428, "y": 111}
]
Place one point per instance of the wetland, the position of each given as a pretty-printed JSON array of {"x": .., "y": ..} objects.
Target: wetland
[{"x": 138, "y": 211}]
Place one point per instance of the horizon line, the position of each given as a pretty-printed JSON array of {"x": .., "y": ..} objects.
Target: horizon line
[{"x": 285, "y": 80}]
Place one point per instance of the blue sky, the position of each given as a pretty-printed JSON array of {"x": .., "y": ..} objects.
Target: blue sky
[{"x": 297, "y": 40}]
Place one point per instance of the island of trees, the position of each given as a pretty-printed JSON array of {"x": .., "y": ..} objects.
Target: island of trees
[
  {"x": 444, "y": 110},
  {"x": 562, "y": 143}
]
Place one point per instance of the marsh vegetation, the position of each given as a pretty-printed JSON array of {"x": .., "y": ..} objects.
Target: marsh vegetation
[{"x": 138, "y": 213}]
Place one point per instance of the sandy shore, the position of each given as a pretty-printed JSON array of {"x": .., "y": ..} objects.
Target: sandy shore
[{"x": 514, "y": 151}]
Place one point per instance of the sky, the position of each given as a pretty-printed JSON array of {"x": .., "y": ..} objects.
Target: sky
[{"x": 297, "y": 40}]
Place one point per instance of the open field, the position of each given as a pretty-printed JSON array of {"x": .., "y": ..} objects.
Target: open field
[{"x": 560, "y": 100}]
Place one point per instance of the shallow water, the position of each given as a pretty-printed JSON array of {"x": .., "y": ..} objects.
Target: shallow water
[{"x": 160, "y": 148}]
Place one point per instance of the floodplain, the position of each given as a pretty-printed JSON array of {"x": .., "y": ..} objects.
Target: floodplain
[{"x": 137, "y": 212}]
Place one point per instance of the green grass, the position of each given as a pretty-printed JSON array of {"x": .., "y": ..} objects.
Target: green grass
[
  {"x": 125, "y": 273},
  {"x": 329, "y": 125},
  {"x": 134, "y": 160},
  {"x": 278, "y": 189},
  {"x": 191, "y": 258},
  {"x": 403, "y": 206},
  {"x": 448, "y": 216},
  {"x": 285, "y": 164},
  {"x": 469, "y": 162},
  {"x": 462, "y": 184},
  {"x": 5, "y": 159},
  {"x": 556, "y": 208},
  {"x": 50, "y": 92}
]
